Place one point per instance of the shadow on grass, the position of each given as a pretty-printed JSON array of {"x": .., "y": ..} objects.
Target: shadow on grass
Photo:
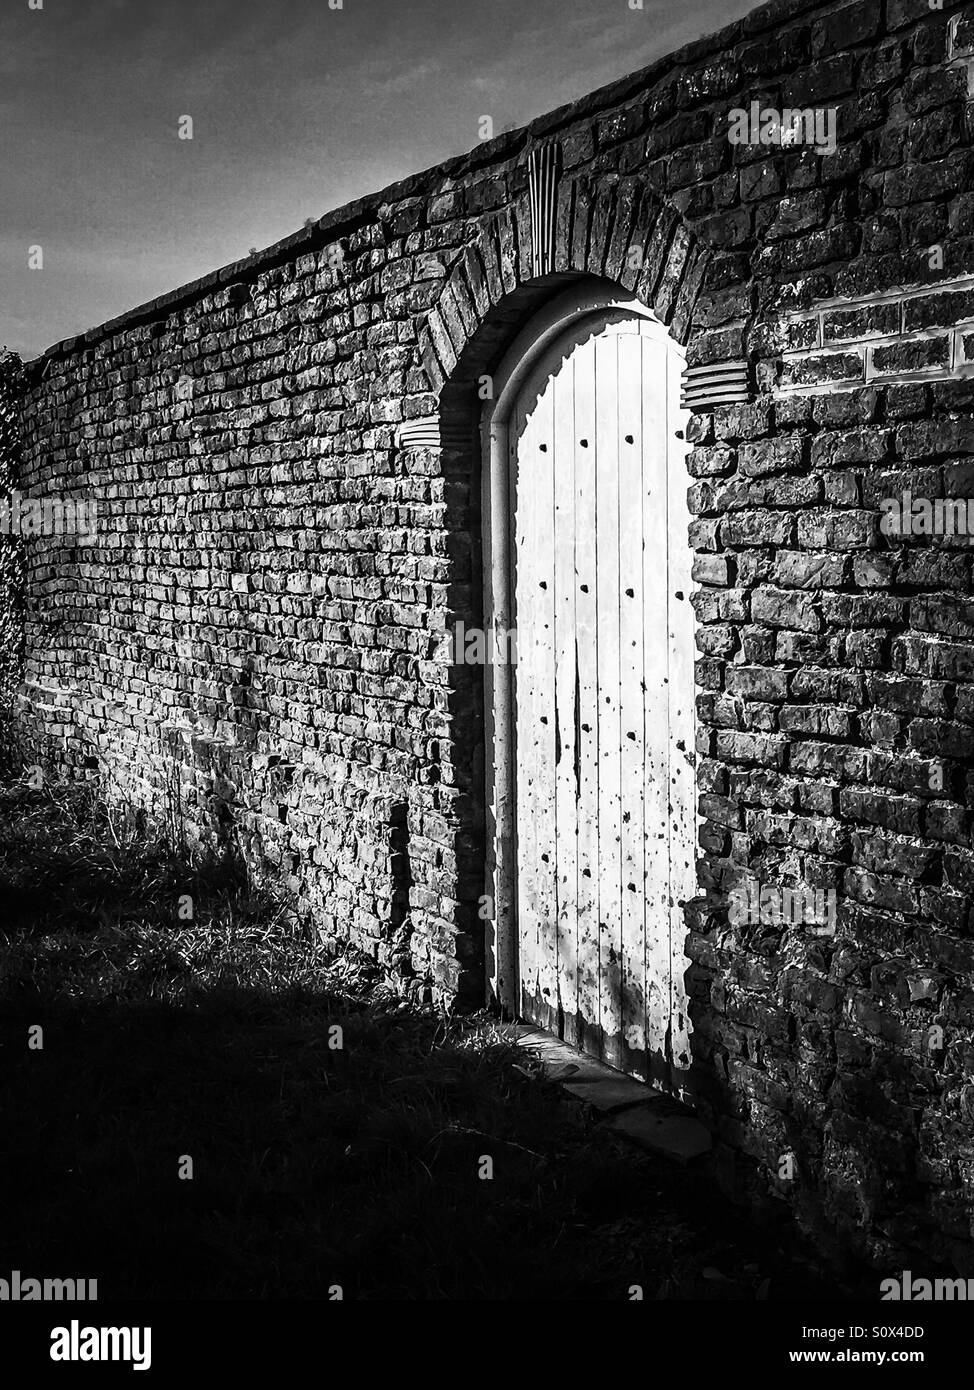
[{"x": 314, "y": 1164}]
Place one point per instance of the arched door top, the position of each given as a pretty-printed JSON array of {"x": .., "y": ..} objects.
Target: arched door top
[{"x": 579, "y": 301}]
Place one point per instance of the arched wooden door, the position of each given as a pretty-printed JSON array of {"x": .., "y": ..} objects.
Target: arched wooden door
[{"x": 602, "y": 694}]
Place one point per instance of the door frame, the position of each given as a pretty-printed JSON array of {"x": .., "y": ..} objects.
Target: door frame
[{"x": 581, "y": 300}]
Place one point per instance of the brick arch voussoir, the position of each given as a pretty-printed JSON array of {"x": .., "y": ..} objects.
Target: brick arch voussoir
[{"x": 612, "y": 228}]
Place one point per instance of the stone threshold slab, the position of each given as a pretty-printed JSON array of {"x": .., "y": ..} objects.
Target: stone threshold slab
[{"x": 651, "y": 1119}]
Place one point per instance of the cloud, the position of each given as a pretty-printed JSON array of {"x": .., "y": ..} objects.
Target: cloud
[{"x": 388, "y": 81}]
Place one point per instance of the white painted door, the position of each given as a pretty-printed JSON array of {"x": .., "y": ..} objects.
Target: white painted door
[{"x": 603, "y": 693}]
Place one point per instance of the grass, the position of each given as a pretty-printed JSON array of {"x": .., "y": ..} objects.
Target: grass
[{"x": 313, "y": 1166}]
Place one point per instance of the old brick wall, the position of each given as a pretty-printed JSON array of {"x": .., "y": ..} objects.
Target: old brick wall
[
  {"x": 11, "y": 553},
  {"x": 254, "y": 646}
]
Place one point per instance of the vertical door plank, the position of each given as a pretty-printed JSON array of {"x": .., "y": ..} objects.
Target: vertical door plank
[
  {"x": 631, "y": 696},
  {"x": 543, "y": 541},
  {"x": 654, "y": 507},
  {"x": 681, "y": 713},
  {"x": 586, "y": 629},
  {"x": 566, "y": 805},
  {"x": 607, "y": 604},
  {"x": 523, "y": 439}
]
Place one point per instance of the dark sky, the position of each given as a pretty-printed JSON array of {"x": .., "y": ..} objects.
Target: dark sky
[{"x": 296, "y": 108}]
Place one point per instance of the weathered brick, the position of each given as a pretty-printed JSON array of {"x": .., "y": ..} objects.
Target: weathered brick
[
  {"x": 784, "y": 455},
  {"x": 819, "y": 721},
  {"x": 843, "y": 531},
  {"x": 757, "y": 528},
  {"x": 757, "y": 683},
  {"x": 831, "y": 759},
  {"x": 845, "y": 28},
  {"x": 781, "y": 608},
  {"x": 850, "y": 446},
  {"x": 937, "y": 310},
  {"x": 765, "y": 750},
  {"x": 897, "y": 813},
  {"x": 798, "y": 569},
  {"x": 838, "y": 367},
  {"x": 871, "y": 320}
]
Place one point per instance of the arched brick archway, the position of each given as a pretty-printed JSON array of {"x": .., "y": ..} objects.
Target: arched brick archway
[
  {"x": 611, "y": 228},
  {"x": 614, "y": 233}
]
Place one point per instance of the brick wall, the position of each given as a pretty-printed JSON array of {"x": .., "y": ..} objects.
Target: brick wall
[
  {"x": 11, "y": 549},
  {"x": 253, "y": 646}
]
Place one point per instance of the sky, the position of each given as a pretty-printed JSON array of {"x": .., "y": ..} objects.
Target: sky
[{"x": 297, "y": 107}]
